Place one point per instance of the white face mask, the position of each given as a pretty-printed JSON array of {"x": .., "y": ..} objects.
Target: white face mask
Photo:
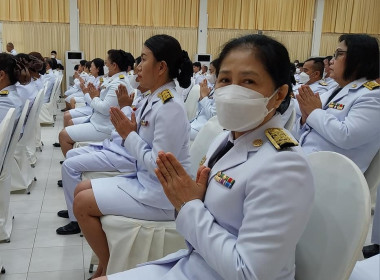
[
  {"x": 132, "y": 81},
  {"x": 240, "y": 109},
  {"x": 106, "y": 70},
  {"x": 304, "y": 78},
  {"x": 298, "y": 70},
  {"x": 52, "y": 56},
  {"x": 211, "y": 78}
]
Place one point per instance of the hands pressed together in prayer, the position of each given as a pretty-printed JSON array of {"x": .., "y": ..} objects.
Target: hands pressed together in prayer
[
  {"x": 204, "y": 89},
  {"x": 123, "y": 96},
  {"x": 308, "y": 101},
  {"x": 177, "y": 184},
  {"x": 93, "y": 91}
]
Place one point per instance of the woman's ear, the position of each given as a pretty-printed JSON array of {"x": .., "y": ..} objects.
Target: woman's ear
[
  {"x": 281, "y": 94},
  {"x": 163, "y": 67}
]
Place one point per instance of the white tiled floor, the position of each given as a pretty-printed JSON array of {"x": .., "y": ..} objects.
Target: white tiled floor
[{"x": 36, "y": 252}]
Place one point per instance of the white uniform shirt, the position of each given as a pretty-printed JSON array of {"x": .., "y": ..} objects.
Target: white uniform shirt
[{"x": 348, "y": 124}]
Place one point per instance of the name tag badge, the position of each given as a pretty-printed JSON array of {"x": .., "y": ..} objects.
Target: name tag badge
[{"x": 225, "y": 180}]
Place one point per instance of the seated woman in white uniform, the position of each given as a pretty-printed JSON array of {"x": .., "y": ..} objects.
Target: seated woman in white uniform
[
  {"x": 11, "y": 72},
  {"x": 161, "y": 124},
  {"x": 30, "y": 90},
  {"x": 246, "y": 211},
  {"x": 97, "y": 71},
  {"x": 345, "y": 119},
  {"x": 98, "y": 126}
]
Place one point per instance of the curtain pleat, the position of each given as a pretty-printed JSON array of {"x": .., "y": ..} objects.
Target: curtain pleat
[
  {"x": 35, "y": 10},
  {"x": 290, "y": 15},
  {"x": 155, "y": 13},
  {"x": 96, "y": 40},
  {"x": 40, "y": 37}
]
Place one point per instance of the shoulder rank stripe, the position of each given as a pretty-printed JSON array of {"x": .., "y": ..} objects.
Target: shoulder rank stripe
[
  {"x": 165, "y": 96},
  {"x": 371, "y": 85},
  {"x": 121, "y": 77},
  {"x": 4, "y": 92},
  {"x": 279, "y": 138},
  {"x": 223, "y": 179}
]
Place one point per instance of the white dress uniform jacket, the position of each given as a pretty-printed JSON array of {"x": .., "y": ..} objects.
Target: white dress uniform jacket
[
  {"x": 161, "y": 127},
  {"x": 9, "y": 99},
  {"x": 49, "y": 77},
  {"x": 206, "y": 110},
  {"x": 249, "y": 231},
  {"x": 347, "y": 125},
  {"x": 101, "y": 105}
]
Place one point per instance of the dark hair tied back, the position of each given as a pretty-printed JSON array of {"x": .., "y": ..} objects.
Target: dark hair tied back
[
  {"x": 167, "y": 48},
  {"x": 21, "y": 71},
  {"x": 185, "y": 70}
]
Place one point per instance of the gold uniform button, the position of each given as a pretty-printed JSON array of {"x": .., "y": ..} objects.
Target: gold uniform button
[{"x": 257, "y": 143}]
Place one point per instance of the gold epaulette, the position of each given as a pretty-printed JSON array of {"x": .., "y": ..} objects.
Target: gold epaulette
[
  {"x": 371, "y": 85},
  {"x": 165, "y": 96},
  {"x": 279, "y": 138},
  {"x": 323, "y": 83},
  {"x": 4, "y": 92},
  {"x": 121, "y": 77}
]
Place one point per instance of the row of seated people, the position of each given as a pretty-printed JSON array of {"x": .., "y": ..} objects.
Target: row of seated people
[
  {"x": 231, "y": 212},
  {"x": 23, "y": 76}
]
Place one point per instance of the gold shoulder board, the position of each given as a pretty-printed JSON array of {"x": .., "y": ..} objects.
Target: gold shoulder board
[
  {"x": 121, "y": 77},
  {"x": 371, "y": 85},
  {"x": 165, "y": 96},
  {"x": 279, "y": 138},
  {"x": 4, "y": 92}
]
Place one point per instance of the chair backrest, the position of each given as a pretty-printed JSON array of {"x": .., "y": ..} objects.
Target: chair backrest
[
  {"x": 372, "y": 174},
  {"x": 29, "y": 129},
  {"x": 16, "y": 134},
  {"x": 338, "y": 226},
  {"x": 202, "y": 142},
  {"x": 289, "y": 124},
  {"x": 6, "y": 127},
  {"x": 55, "y": 89},
  {"x": 192, "y": 101}
]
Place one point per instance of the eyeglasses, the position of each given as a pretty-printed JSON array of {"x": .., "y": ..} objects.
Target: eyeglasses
[{"x": 338, "y": 53}]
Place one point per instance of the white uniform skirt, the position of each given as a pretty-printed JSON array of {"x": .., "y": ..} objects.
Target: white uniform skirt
[
  {"x": 113, "y": 200},
  {"x": 85, "y": 132},
  {"x": 80, "y": 112},
  {"x": 80, "y": 120}
]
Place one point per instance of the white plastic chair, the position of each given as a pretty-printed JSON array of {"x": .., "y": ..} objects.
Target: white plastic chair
[
  {"x": 372, "y": 175},
  {"x": 191, "y": 102},
  {"x": 48, "y": 110},
  {"x": 5, "y": 174},
  {"x": 25, "y": 154},
  {"x": 133, "y": 241},
  {"x": 6, "y": 128},
  {"x": 338, "y": 226},
  {"x": 202, "y": 142}
]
